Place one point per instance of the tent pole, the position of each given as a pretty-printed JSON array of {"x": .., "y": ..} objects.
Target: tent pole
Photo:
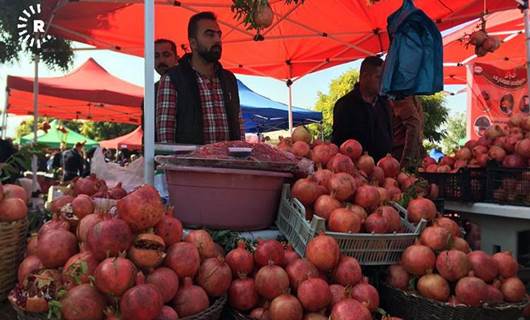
[
  {"x": 4, "y": 116},
  {"x": 526, "y": 15},
  {"x": 35, "y": 128},
  {"x": 149, "y": 108},
  {"x": 290, "y": 111}
]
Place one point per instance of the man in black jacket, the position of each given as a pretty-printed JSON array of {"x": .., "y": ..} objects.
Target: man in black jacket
[
  {"x": 363, "y": 115},
  {"x": 198, "y": 100},
  {"x": 73, "y": 162}
]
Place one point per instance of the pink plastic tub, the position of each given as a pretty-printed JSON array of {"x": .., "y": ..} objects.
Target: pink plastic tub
[{"x": 224, "y": 198}]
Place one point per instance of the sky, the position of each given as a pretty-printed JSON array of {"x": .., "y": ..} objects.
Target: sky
[{"x": 130, "y": 68}]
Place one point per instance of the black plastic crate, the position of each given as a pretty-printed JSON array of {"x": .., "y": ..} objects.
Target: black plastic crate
[
  {"x": 509, "y": 186},
  {"x": 468, "y": 184}
]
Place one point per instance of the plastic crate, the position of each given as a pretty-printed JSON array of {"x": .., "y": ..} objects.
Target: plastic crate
[
  {"x": 509, "y": 186},
  {"x": 468, "y": 184},
  {"x": 367, "y": 248}
]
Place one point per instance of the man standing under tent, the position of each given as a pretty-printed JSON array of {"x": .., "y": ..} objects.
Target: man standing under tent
[
  {"x": 362, "y": 114},
  {"x": 198, "y": 100},
  {"x": 165, "y": 58},
  {"x": 73, "y": 162},
  {"x": 407, "y": 124}
]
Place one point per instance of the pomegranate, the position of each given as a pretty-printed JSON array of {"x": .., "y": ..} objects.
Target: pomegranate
[
  {"x": 115, "y": 275},
  {"x": 483, "y": 265},
  {"x": 314, "y": 294},
  {"x": 321, "y": 154},
  {"x": 366, "y": 294},
  {"x": 88, "y": 185},
  {"x": 378, "y": 176},
  {"x": 166, "y": 281},
  {"x": 452, "y": 265},
  {"x": 471, "y": 291},
  {"x": 344, "y": 220},
  {"x": 260, "y": 314},
  {"x": 436, "y": 238},
  {"x": 323, "y": 251},
  {"x": 352, "y": 148},
  {"x": 484, "y": 141},
  {"x": 242, "y": 294},
  {"x": 32, "y": 244},
  {"x": 38, "y": 288},
  {"x": 117, "y": 192},
  {"x": 146, "y": 215},
  {"x": 167, "y": 313},
  {"x": 14, "y": 191},
  {"x": 448, "y": 224},
  {"x": 433, "y": 286},
  {"x": 417, "y": 259},
  {"x": 300, "y": 149},
  {"x": 493, "y": 132},
  {"x": 522, "y": 148},
  {"x": 190, "y": 299},
  {"x": 141, "y": 302},
  {"x": 300, "y": 133},
  {"x": 29, "y": 265},
  {"x": 202, "y": 240},
  {"x": 494, "y": 295},
  {"x": 83, "y": 302},
  {"x": 240, "y": 260},
  {"x": 184, "y": 259},
  {"x": 394, "y": 194},
  {"x": 389, "y": 165},
  {"x": 464, "y": 154},
  {"x": 147, "y": 250},
  {"x": 398, "y": 277},
  {"x": 325, "y": 204},
  {"x": 306, "y": 191},
  {"x": 86, "y": 224},
  {"x": 109, "y": 237},
  {"x": 432, "y": 168},
  {"x": 461, "y": 245},
  {"x": 169, "y": 228},
  {"x": 342, "y": 186},
  {"x": 314, "y": 316},
  {"x": 12, "y": 209},
  {"x": 348, "y": 272},
  {"x": 289, "y": 255},
  {"x": 383, "y": 196},
  {"x": 392, "y": 218},
  {"x": 271, "y": 281},
  {"x": 322, "y": 177},
  {"x": 482, "y": 160},
  {"x": 497, "y": 153},
  {"x": 448, "y": 161},
  {"x": 79, "y": 268},
  {"x": 55, "y": 247},
  {"x": 366, "y": 164},
  {"x": 513, "y": 161},
  {"x": 341, "y": 163},
  {"x": 427, "y": 161},
  {"x": 214, "y": 276},
  {"x": 60, "y": 202},
  {"x": 471, "y": 144},
  {"x": 350, "y": 309},
  {"x": 82, "y": 206},
  {"x": 506, "y": 264},
  {"x": 477, "y": 38},
  {"x": 376, "y": 223},
  {"x": 513, "y": 289},
  {"x": 421, "y": 208},
  {"x": 338, "y": 293},
  {"x": 367, "y": 197},
  {"x": 286, "y": 307},
  {"x": 299, "y": 271},
  {"x": 390, "y": 182}
]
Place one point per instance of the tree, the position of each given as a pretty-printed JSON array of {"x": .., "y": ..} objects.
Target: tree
[
  {"x": 435, "y": 113},
  {"x": 100, "y": 131},
  {"x": 55, "y": 53},
  {"x": 456, "y": 131}
]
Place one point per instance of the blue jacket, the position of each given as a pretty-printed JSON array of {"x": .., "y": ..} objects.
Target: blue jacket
[{"x": 414, "y": 64}]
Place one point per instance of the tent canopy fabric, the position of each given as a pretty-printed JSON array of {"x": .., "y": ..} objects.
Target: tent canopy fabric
[
  {"x": 131, "y": 141},
  {"x": 303, "y": 38},
  {"x": 89, "y": 92},
  {"x": 508, "y": 25},
  {"x": 54, "y": 137}
]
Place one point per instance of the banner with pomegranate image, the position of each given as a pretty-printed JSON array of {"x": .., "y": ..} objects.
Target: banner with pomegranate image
[{"x": 493, "y": 96}]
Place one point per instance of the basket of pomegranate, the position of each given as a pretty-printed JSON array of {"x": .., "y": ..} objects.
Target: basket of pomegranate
[
  {"x": 440, "y": 278},
  {"x": 127, "y": 262},
  {"x": 276, "y": 283},
  {"x": 13, "y": 232},
  {"x": 508, "y": 185}
]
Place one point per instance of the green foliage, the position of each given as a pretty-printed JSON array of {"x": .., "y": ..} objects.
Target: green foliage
[
  {"x": 19, "y": 161},
  {"x": 100, "y": 131},
  {"x": 435, "y": 115},
  {"x": 246, "y": 9},
  {"x": 55, "y": 53},
  {"x": 456, "y": 131}
]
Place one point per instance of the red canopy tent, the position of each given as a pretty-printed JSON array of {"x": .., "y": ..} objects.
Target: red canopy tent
[
  {"x": 131, "y": 141},
  {"x": 89, "y": 92},
  {"x": 303, "y": 38},
  {"x": 508, "y": 25}
]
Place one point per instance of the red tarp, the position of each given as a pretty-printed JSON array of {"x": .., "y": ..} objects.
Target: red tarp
[
  {"x": 89, "y": 92},
  {"x": 311, "y": 36},
  {"x": 507, "y": 25},
  {"x": 131, "y": 141}
]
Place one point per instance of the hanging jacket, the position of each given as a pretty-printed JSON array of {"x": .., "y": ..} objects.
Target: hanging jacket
[{"x": 414, "y": 64}]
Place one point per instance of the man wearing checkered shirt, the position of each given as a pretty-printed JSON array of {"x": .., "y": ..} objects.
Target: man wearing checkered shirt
[{"x": 198, "y": 100}]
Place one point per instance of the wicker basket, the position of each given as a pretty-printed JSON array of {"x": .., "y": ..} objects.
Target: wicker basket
[
  {"x": 411, "y": 306},
  {"x": 12, "y": 248},
  {"x": 236, "y": 315},
  {"x": 22, "y": 315},
  {"x": 368, "y": 249},
  {"x": 212, "y": 313}
]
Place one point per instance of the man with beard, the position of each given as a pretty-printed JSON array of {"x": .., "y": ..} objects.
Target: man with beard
[
  {"x": 198, "y": 100},
  {"x": 165, "y": 58}
]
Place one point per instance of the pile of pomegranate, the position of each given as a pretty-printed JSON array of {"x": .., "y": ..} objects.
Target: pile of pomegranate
[
  {"x": 483, "y": 42},
  {"x": 446, "y": 270},
  {"x": 509, "y": 146},
  {"x": 275, "y": 283},
  {"x": 13, "y": 199},
  {"x": 351, "y": 192}
]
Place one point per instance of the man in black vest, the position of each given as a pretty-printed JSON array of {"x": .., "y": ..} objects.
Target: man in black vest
[
  {"x": 198, "y": 100},
  {"x": 73, "y": 162}
]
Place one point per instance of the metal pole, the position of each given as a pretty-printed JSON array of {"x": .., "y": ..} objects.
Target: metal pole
[
  {"x": 290, "y": 110},
  {"x": 149, "y": 108},
  {"x": 527, "y": 37},
  {"x": 4, "y": 115},
  {"x": 35, "y": 127}
]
